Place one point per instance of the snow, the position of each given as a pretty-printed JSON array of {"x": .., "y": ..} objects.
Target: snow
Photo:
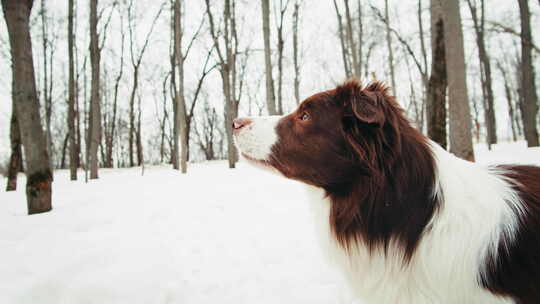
[{"x": 211, "y": 236}]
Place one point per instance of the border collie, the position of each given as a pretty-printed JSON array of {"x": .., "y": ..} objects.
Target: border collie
[{"x": 406, "y": 221}]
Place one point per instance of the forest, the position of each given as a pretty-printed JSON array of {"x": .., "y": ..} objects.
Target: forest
[{"x": 95, "y": 84}]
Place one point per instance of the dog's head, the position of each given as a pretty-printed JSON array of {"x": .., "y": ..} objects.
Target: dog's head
[
  {"x": 356, "y": 144},
  {"x": 331, "y": 137}
]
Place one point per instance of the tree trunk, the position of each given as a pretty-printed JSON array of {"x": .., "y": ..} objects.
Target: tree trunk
[
  {"x": 77, "y": 114},
  {"x": 227, "y": 69},
  {"x": 389, "y": 45},
  {"x": 509, "y": 99},
  {"x": 280, "y": 47},
  {"x": 519, "y": 83},
  {"x": 175, "y": 151},
  {"x": 38, "y": 171},
  {"x": 132, "y": 115},
  {"x": 343, "y": 42},
  {"x": 64, "y": 148},
  {"x": 270, "y": 98},
  {"x": 15, "y": 161},
  {"x": 180, "y": 94},
  {"x": 425, "y": 75},
  {"x": 71, "y": 99},
  {"x": 529, "y": 107},
  {"x": 510, "y": 110},
  {"x": 360, "y": 40},
  {"x": 109, "y": 162},
  {"x": 140, "y": 154},
  {"x": 350, "y": 38},
  {"x": 485, "y": 67},
  {"x": 436, "y": 91},
  {"x": 46, "y": 80},
  {"x": 458, "y": 100},
  {"x": 295, "y": 53},
  {"x": 95, "y": 106}
]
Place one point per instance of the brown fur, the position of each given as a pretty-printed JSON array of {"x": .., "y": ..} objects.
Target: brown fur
[
  {"x": 377, "y": 170},
  {"x": 515, "y": 271}
]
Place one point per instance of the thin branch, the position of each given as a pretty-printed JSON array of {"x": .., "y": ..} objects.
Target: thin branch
[
  {"x": 213, "y": 32},
  {"x": 201, "y": 80},
  {"x": 193, "y": 38},
  {"x": 500, "y": 28},
  {"x": 402, "y": 41}
]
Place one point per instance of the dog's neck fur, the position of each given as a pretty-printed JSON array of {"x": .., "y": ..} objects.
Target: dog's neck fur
[{"x": 393, "y": 199}]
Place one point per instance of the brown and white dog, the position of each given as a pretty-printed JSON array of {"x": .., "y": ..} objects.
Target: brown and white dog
[{"x": 406, "y": 221}]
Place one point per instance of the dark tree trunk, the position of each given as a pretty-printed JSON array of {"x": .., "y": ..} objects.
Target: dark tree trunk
[
  {"x": 140, "y": 155},
  {"x": 343, "y": 42},
  {"x": 109, "y": 162},
  {"x": 64, "y": 148},
  {"x": 296, "y": 17},
  {"x": 95, "y": 103},
  {"x": 38, "y": 171},
  {"x": 529, "y": 106},
  {"x": 436, "y": 91},
  {"x": 15, "y": 161},
  {"x": 280, "y": 48},
  {"x": 73, "y": 159},
  {"x": 485, "y": 67},
  {"x": 132, "y": 132}
]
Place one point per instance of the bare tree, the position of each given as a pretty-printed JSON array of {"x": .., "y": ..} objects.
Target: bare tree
[
  {"x": 356, "y": 62},
  {"x": 73, "y": 164},
  {"x": 296, "y": 63},
  {"x": 48, "y": 53},
  {"x": 351, "y": 50},
  {"x": 182, "y": 114},
  {"x": 360, "y": 39},
  {"x": 136, "y": 60},
  {"x": 509, "y": 99},
  {"x": 424, "y": 70},
  {"x": 344, "y": 43},
  {"x": 485, "y": 70},
  {"x": 164, "y": 121},
  {"x": 280, "y": 46},
  {"x": 270, "y": 97},
  {"x": 389, "y": 46},
  {"x": 420, "y": 65},
  {"x": 111, "y": 133},
  {"x": 95, "y": 98},
  {"x": 436, "y": 91},
  {"x": 227, "y": 63},
  {"x": 529, "y": 106},
  {"x": 425, "y": 67},
  {"x": 181, "y": 133},
  {"x": 15, "y": 160},
  {"x": 207, "y": 136},
  {"x": 458, "y": 100},
  {"x": 38, "y": 171}
]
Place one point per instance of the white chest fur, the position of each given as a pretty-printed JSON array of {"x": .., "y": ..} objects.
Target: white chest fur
[{"x": 446, "y": 264}]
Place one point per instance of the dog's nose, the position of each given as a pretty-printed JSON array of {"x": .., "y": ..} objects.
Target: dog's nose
[{"x": 239, "y": 123}]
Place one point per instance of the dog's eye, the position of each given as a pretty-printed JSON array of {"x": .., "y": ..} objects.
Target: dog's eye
[{"x": 304, "y": 116}]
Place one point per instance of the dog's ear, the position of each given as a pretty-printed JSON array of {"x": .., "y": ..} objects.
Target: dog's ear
[{"x": 366, "y": 105}]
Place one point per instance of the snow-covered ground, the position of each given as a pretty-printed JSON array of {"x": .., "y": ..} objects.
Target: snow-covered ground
[{"x": 211, "y": 236}]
